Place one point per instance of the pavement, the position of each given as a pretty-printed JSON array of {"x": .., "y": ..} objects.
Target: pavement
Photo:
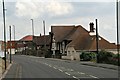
[
  {"x": 89, "y": 63},
  {"x": 108, "y": 66}
]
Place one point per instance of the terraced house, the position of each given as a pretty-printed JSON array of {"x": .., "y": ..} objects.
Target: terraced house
[{"x": 71, "y": 40}]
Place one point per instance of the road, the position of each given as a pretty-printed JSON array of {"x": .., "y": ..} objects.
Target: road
[{"x": 36, "y": 67}]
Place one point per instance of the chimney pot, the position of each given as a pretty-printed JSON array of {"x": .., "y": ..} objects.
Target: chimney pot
[{"x": 91, "y": 27}]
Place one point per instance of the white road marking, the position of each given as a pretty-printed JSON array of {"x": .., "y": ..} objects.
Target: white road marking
[
  {"x": 46, "y": 64},
  {"x": 54, "y": 67},
  {"x": 50, "y": 66},
  {"x": 93, "y": 76},
  {"x": 81, "y": 73},
  {"x": 60, "y": 70},
  {"x": 67, "y": 73},
  {"x": 74, "y": 77},
  {"x": 70, "y": 69}
]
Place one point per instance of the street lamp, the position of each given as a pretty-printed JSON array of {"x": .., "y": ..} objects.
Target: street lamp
[
  {"x": 117, "y": 19},
  {"x": 4, "y": 33},
  {"x": 10, "y": 44},
  {"x": 97, "y": 40},
  {"x": 32, "y": 27},
  {"x": 14, "y": 39},
  {"x": 32, "y": 34}
]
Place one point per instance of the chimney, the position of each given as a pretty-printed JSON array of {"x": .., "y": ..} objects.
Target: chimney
[{"x": 91, "y": 27}]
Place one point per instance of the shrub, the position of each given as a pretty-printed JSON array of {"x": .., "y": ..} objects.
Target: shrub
[
  {"x": 104, "y": 56},
  {"x": 87, "y": 56}
]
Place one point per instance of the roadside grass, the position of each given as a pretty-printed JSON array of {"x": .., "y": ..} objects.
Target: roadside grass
[{"x": 2, "y": 66}]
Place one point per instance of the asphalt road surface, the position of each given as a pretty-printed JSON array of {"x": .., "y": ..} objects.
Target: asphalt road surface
[{"x": 36, "y": 67}]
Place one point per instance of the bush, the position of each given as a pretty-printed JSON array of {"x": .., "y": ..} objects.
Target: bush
[
  {"x": 87, "y": 56},
  {"x": 104, "y": 56}
]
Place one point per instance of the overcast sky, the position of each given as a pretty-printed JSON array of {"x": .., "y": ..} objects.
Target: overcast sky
[{"x": 54, "y": 12}]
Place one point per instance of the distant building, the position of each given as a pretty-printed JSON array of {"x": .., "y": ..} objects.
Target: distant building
[
  {"x": 71, "y": 40},
  {"x": 11, "y": 45},
  {"x": 24, "y": 43},
  {"x": 42, "y": 44},
  {"x": 34, "y": 45},
  {"x": 1, "y": 45}
]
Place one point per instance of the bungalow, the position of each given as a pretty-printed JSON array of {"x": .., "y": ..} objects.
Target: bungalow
[{"x": 72, "y": 40}]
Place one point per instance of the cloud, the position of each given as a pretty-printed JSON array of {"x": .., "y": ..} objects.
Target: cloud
[
  {"x": 36, "y": 9},
  {"x": 59, "y": 8},
  {"x": 29, "y": 9}
]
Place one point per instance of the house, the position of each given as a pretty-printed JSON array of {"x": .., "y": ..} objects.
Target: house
[
  {"x": 34, "y": 45},
  {"x": 71, "y": 40},
  {"x": 25, "y": 43},
  {"x": 11, "y": 45},
  {"x": 42, "y": 44}
]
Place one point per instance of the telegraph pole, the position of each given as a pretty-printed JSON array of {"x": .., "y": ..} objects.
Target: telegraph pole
[
  {"x": 14, "y": 38},
  {"x": 117, "y": 15},
  {"x": 10, "y": 44},
  {"x": 44, "y": 36},
  {"x": 4, "y": 34},
  {"x": 97, "y": 40},
  {"x": 32, "y": 27}
]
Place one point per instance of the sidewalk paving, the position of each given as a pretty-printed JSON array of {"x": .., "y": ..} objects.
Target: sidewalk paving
[
  {"x": 108, "y": 66},
  {"x": 13, "y": 72},
  {"x": 88, "y": 63}
]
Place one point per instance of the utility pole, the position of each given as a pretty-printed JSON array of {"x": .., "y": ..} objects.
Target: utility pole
[
  {"x": 10, "y": 44},
  {"x": 44, "y": 36},
  {"x": 97, "y": 40},
  {"x": 32, "y": 27},
  {"x": 32, "y": 34},
  {"x": 117, "y": 19},
  {"x": 4, "y": 34},
  {"x": 14, "y": 38}
]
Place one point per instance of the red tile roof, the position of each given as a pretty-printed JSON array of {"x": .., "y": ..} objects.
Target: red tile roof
[{"x": 27, "y": 38}]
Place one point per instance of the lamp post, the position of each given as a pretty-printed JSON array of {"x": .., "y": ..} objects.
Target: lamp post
[
  {"x": 32, "y": 34},
  {"x": 14, "y": 38},
  {"x": 44, "y": 37},
  {"x": 4, "y": 33},
  {"x": 97, "y": 40},
  {"x": 117, "y": 23},
  {"x": 32, "y": 27},
  {"x": 10, "y": 44}
]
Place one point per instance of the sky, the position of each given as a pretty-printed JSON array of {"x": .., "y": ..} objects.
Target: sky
[{"x": 58, "y": 12}]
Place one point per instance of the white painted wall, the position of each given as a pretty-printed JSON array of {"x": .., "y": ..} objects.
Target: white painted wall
[
  {"x": 12, "y": 51},
  {"x": 72, "y": 54}
]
